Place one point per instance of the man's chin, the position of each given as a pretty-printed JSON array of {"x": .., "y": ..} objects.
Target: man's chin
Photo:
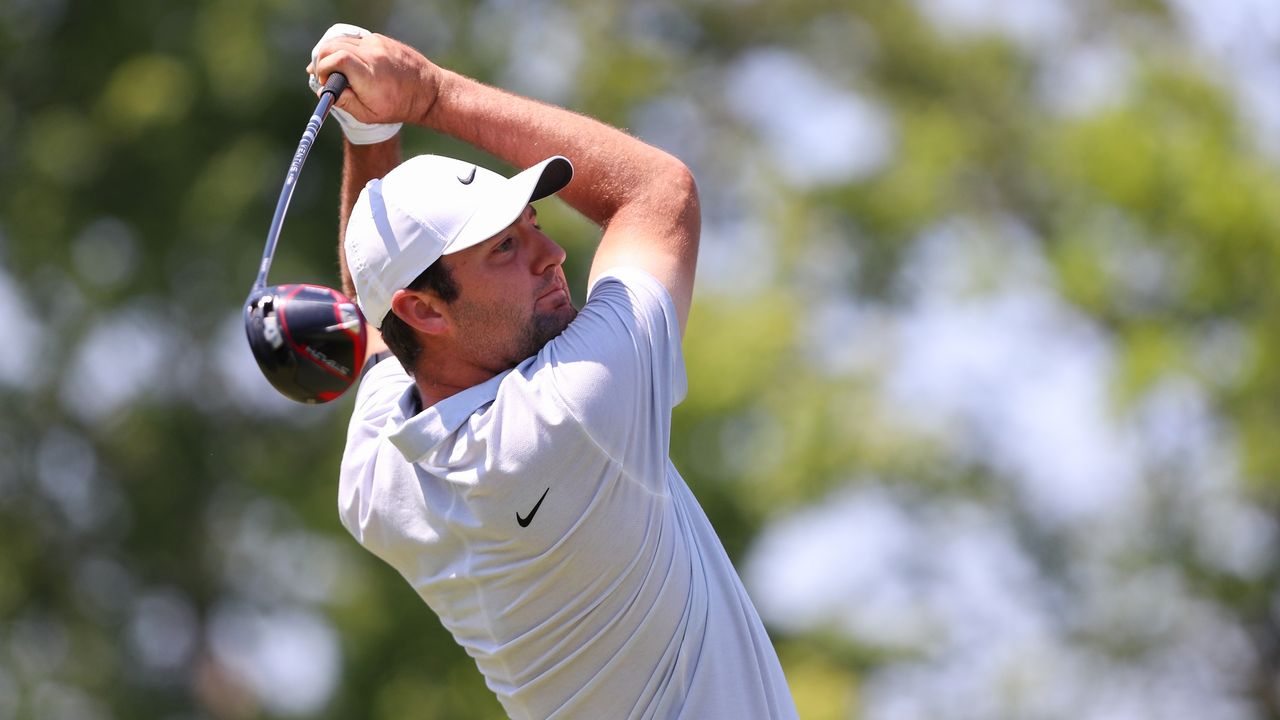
[
  {"x": 550, "y": 325},
  {"x": 547, "y": 327}
]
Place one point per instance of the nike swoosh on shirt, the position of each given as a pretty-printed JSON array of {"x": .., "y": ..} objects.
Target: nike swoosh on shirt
[{"x": 524, "y": 521}]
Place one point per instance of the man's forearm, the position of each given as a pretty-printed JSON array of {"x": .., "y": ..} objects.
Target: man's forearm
[
  {"x": 611, "y": 168},
  {"x": 360, "y": 164},
  {"x": 645, "y": 200}
]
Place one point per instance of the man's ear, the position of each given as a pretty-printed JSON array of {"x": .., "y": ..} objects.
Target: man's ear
[{"x": 419, "y": 311}]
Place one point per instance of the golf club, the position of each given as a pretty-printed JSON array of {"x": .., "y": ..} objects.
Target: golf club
[{"x": 309, "y": 340}]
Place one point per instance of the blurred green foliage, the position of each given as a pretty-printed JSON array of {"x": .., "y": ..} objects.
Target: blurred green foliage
[{"x": 145, "y": 145}]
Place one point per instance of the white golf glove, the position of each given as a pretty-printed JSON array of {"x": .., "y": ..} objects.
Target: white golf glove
[{"x": 359, "y": 133}]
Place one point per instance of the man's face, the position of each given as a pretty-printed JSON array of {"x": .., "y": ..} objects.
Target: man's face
[{"x": 513, "y": 296}]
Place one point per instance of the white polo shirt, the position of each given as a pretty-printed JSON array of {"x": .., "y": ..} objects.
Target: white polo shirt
[{"x": 539, "y": 515}]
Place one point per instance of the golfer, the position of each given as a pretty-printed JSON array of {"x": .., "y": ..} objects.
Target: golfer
[{"x": 511, "y": 459}]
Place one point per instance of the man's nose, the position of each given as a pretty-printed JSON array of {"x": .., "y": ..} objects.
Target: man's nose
[{"x": 547, "y": 253}]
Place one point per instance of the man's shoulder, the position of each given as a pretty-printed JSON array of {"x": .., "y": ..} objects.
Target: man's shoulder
[
  {"x": 629, "y": 280},
  {"x": 629, "y": 305},
  {"x": 383, "y": 383}
]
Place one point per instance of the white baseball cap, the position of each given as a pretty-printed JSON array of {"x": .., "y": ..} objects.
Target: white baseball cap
[{"x": 431, "y": 206}]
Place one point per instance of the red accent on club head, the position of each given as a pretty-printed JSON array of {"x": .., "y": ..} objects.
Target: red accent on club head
[{"x": 305, "y": 351}]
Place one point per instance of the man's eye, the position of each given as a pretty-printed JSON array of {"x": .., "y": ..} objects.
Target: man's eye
[{"x": 504, "y": 245}]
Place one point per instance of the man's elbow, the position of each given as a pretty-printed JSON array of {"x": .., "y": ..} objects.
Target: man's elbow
[
  {"x": 679, "y": 178},
  {"x": 679, "y": 193}
]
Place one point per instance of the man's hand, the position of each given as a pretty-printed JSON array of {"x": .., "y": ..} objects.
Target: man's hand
[
  {"x": 389, "y": 82},
  {"x": 359, "y": 133}
]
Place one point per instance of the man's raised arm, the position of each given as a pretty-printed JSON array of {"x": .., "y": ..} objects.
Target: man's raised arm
[
  {"x": 644, "y": 199},
  {"x": 360, "y": 164}
]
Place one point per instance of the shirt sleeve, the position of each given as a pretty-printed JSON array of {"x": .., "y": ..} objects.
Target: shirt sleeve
[
  {"x": 381, "y": 393},
  {"x": 618, "y": 367},
  {"x": 382, "y": 387}
]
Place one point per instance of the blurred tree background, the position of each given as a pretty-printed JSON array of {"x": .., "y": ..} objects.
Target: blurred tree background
[{"x": 984, "y": 365}]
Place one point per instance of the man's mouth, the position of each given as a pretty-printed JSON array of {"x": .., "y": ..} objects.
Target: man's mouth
[{"x": 551, "y": 293}]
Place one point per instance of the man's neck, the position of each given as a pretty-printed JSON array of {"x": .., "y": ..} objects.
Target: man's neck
[{"x": 434, "y": 387}]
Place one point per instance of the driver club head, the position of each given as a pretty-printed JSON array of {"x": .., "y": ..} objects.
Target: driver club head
[{"x": 309, "y": 340}]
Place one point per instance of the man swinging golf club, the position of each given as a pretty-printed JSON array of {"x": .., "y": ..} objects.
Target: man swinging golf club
[{"x": 511, "y": 461}]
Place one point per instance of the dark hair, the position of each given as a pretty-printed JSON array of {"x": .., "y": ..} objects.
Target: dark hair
[{"x": 399, "y": 337}]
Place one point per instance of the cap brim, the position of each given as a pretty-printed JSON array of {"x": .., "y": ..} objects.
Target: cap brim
[
  {"x": 553, "y": 174},
  {"x": 534, "y": 183}
]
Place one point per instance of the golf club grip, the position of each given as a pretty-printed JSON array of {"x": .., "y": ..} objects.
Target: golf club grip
[
  {"x": 333, "y": 87},
  {"x": 336, "y": 83}
]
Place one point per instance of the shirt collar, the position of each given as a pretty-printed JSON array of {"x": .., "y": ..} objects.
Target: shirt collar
[{"x": 415, "y": 434}]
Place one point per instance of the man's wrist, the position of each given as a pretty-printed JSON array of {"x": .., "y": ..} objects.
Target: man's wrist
[
  {"x": 371, "y": 160},
  {"x": 441, "y": 83}
]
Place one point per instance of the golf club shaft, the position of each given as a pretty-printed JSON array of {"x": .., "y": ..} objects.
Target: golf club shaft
[{"x": 333, "y": 87}]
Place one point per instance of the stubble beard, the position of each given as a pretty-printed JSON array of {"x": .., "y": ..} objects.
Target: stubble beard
[
  {"x": 542, "y": 329},
  {"x": 533, "y": 334}
]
